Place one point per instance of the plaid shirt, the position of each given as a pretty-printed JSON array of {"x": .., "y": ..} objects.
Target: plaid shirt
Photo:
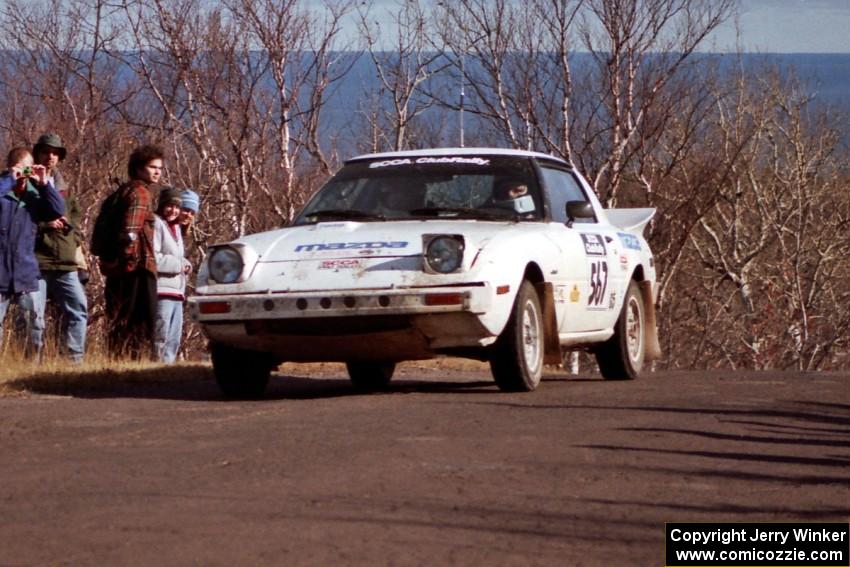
[{"x": 138, "y": 228}]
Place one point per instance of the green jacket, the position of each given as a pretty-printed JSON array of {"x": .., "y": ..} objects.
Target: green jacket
[{"x": 57, "y": 249}]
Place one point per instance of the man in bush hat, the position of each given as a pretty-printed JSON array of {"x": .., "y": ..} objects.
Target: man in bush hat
[{"x": 59, "y": 251}]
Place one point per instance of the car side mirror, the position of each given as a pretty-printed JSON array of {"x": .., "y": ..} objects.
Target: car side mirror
[{"x": 579, "y": 210}]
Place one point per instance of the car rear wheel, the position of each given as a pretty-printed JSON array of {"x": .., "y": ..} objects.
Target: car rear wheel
[
  {"x": 241, "y": 374},
  {"x": 621, "y": 356},
  {"x": 516, "y": 361},
  {"x": 369, "y": 376}
]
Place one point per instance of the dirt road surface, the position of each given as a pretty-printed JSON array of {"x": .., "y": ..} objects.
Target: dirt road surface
[{"x": 440, "y": 470}]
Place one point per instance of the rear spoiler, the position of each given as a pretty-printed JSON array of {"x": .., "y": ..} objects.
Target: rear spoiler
[{"x": 630, "y": 220}]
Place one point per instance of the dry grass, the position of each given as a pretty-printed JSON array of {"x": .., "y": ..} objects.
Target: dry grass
[{"x": 57, "y": 376}]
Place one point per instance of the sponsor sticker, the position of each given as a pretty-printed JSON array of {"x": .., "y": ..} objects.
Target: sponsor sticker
[
  {"x": 575, "y": 294},
  {"x": 612, "y": 301},
  {"x": 342, "y": 264},
  {"x": 624, "y": 262},
  {"x": 429, "y": 161},
  {"x": 349, "y": 246},
  {"x": 560, "y": 293},
  {"x": 630, "y": 241},
  {"x": 594, "y": 245}
]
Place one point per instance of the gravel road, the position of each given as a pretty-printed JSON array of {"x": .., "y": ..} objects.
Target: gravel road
[{"x": 440, "y": 470}]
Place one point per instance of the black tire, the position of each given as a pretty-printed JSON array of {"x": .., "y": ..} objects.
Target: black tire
[
  {"x": 241, "y": 374},
  {"x": 370, "y": 376},
  {"x": 621, "y": 356},
  {"x": 516, "y": 359}
]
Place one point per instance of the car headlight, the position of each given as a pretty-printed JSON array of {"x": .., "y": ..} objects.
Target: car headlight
[
  {"x": 226, "y": 265},
  {"x": 444, "y": 254}
]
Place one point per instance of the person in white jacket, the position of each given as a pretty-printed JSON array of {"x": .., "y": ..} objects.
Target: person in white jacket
[{"x": 173, "y": 270}]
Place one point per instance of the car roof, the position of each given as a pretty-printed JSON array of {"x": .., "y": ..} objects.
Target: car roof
[{"x": 457, "y": 152}]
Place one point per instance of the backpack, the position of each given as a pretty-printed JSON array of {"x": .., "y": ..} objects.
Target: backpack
[{"x": 105, "y": 241}]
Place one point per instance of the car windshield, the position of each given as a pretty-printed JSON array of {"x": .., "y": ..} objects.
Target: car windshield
[{"x": 446, "y": 187}]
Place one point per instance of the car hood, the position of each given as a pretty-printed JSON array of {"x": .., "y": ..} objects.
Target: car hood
[
  {"x": 354, "y": 255},
  {"x": 340, "y": 240}
]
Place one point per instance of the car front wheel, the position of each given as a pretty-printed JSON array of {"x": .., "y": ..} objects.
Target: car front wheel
[
  {"x": 621, "y": 356},
  {"x": 516, "y": 361},
  {"x": 241, "y": 374}
]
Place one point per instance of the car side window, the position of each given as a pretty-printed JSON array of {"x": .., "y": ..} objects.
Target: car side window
[{"x": 562, "y": 187}]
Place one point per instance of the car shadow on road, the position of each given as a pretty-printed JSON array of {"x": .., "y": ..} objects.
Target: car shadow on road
[
  {"x": 728, "y": 509},
  {"x": 197, "y": 383},
  {"x": 789, "y": 444}
]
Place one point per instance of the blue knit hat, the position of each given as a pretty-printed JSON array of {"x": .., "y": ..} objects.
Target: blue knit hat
[{"x": 191, "y": 200}]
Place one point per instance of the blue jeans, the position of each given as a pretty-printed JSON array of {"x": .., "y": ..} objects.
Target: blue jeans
[
  {"x": 169, "y": 328},
  {"x": 25, "y": 323},
  {"x": 66, "y": 291}
]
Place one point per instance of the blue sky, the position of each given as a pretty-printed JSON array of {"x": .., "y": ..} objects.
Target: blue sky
[
  {"x": 791, "y": 26},
  {"x": 786, "y": 26}
]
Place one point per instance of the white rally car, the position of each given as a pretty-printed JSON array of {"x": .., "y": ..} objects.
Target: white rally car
[{"x": 499, "y": 255}]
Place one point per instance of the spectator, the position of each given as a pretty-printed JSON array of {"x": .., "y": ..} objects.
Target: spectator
[
  {"x": 57, "y": 249},
  {"x": 131, "y": 278},
  {"x": 172, "y": 270},
  {"x": 190, "y": 205},
  {"x": 26, "y": 198}
]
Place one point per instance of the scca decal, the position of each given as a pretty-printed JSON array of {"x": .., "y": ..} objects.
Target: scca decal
[
  {"x": 593, "y": 244},
  {"x": 430, "y": 160},
  {"x": 349, "y": 246}
]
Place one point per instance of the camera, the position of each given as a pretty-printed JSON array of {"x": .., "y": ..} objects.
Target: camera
[{"x": 26, "y": 171}]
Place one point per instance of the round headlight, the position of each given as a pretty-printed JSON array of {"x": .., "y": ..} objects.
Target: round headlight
[
  {"x": 444, "y": 254},
  {"x": 226, "y": 265}
]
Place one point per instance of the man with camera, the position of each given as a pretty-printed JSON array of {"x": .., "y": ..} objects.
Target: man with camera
[
  {"x": 58, "y": 250},
  {"x": 26, "y": 198}
]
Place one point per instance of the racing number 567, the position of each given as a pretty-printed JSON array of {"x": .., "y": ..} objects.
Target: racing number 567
[{"x": 598, "y": 282}]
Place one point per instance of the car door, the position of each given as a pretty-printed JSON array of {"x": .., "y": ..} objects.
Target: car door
[
  {"x": 571, "y": 278},
  {"x": 591, "y": 257}
]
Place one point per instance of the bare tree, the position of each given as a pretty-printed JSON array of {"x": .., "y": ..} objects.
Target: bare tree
[
  {"x": 57, "y": 76},
  {"x": 300, "y": 50},
  {"x": 480, "y": 37},
  {"x": 551, "y": 79},
  {"x": 403, "y": 64},
  {"x": 638, "y": 48},
  {"x": 761, "y": 289}
]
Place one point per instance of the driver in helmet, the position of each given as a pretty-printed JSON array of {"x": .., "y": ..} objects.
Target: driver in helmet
[{"x": 512, "y": 194}]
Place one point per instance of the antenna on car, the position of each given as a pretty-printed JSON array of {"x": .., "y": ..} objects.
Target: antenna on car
[{"x": 462, "y": 74}]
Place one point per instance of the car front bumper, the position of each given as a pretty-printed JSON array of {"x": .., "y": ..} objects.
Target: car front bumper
[{"x": 396, "y": 324}]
